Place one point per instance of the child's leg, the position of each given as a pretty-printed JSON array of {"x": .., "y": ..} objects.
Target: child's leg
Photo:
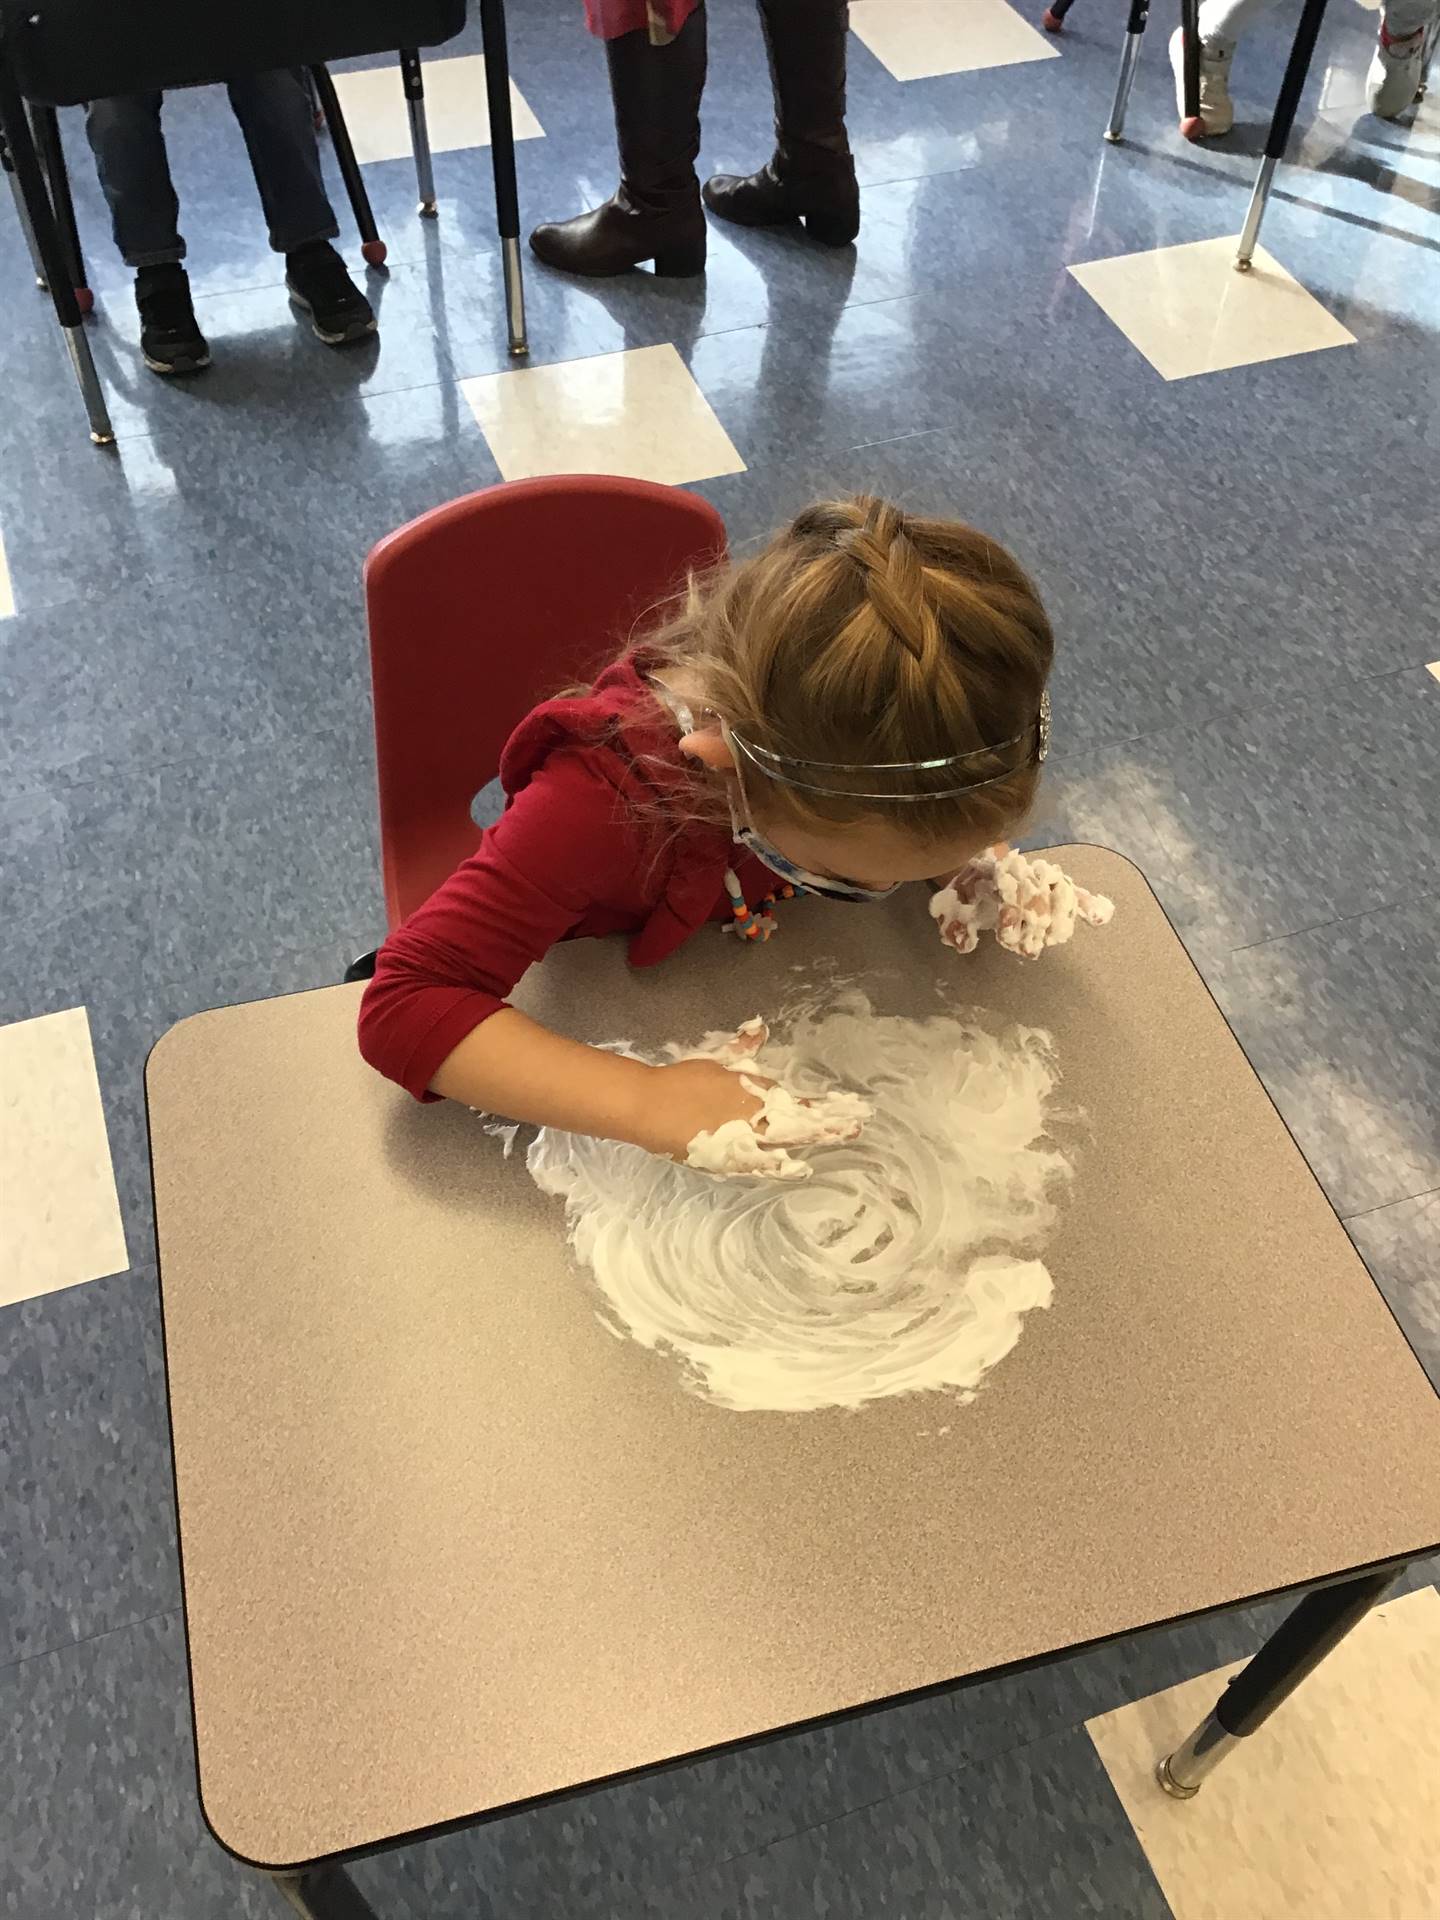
[
  {"x": 1223, "y": 21},
  {"x": 134, "y": 172},
  {"x": 1397, "y": 68},
  {"x": 278, "y": 123}
]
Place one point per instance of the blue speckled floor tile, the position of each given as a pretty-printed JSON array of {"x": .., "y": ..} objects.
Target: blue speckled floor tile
[
  {"x": 72, "y": 1340},
  {"x": 87, "y": 1531},
  {"x": 1401, "y": 1246},
  {"x": 1294, "y": 812},
  {"x": 1339, "y": 1024},
  {"x": 1031, "y": 1835},
  {"x": 100, "y": 1818}
]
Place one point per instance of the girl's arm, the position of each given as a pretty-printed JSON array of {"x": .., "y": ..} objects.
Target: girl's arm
[
  {"x": 512, "y": 1066},
  {"x": 435, "y": 1018}
]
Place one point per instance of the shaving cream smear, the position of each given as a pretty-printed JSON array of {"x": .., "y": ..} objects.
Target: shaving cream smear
[{"x": 905, "y": 1263}]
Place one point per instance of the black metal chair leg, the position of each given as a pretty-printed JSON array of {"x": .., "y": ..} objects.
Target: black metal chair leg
[
  {"x": 30, "y": 180},
  {"x": 413, "y": 82},
  {"x": 502, "y": 155},
  {"x": 22, "y": 214},
  {"x": 1297, "y": 70},
  {"x": 1053, "y": 18},
  {"x": 45, "y": 124},
  {"x": 1134, "y": 30},
  {"x": 372, "y": 247},
  {"x": 1190, "y": 48}
]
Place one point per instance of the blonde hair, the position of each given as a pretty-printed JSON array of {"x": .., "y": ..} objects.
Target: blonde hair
[{"x": 863, "y": 635}]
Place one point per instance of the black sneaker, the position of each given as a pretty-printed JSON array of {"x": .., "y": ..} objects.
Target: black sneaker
[
  {"x": 170, "y": 336},
  {"x": 320, "y": 286}
]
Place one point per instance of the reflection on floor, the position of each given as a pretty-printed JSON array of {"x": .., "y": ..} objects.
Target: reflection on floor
[{"x": 1240, "y": 562}]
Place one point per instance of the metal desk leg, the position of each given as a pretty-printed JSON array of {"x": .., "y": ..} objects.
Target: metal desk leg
[
  {"x": 1295, "y": 1649},
  {"x": 372, "y": 247},
  {"x": 414, "y": 84},
  {"x": 1134, "y": 28},
  {"x": 1297, "y": 70},
  {"x": 30, "y": 182},
  {"x": 325, "y": 1893},
  {"x": 45, "y": 125},
  {"x": 502, "y": 155}
]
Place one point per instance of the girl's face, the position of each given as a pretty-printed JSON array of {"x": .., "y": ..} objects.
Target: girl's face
[{"x": 869, "y": 854}]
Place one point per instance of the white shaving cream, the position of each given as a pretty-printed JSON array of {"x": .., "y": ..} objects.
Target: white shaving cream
[{"x": 906, "y": 1261}]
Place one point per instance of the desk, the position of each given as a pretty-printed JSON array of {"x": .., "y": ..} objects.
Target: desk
[{"x": 449, "y": 1545}]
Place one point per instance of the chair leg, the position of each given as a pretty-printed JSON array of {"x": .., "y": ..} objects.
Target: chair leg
[
  {"x": 362, "y": 968},
  {"x": 1190, "y": 65},
  {"x": 22, "y": 213},
  {"x": 1134, "y": 29},
  {"x": 45, "y": 125},
  {"x": 371, "y": 245},
  {"x": 1297, "y": 70},
  {"x": 413, "y": 82},
  {"x": 502, "y": 155},
  {"x": 30, "y": 181},
  {"x": 1053, "y": 18}
]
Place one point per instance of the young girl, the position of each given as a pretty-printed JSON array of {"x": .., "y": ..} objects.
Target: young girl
[{"x": 859, "y": 706}]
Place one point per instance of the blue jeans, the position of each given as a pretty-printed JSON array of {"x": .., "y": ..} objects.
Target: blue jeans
[{"x": 277, "y": 121}]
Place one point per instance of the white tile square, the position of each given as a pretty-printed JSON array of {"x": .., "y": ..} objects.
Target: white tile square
[
  {"x": 1434, "y": 668},
  {"x": 638, "y": 414},
  {"x": 1188, "y": 310},
  {"x": 59, "y": 1211},
  {"x": 917, "y": 39},
  {"x": 456, "y": 110},
  {"x": 1330, "y": 1811},
  {"x": 7, "y": 592}
]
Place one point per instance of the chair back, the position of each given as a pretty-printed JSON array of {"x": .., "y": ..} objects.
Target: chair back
[{"x": 486, "y": 606}]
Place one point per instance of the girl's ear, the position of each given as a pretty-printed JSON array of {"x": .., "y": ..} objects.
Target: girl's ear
[{"x": 707, "y": 745}]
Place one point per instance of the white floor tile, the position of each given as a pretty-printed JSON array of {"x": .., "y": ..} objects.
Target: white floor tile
[
  {"x": 638, "y": 414},
  {"x": 59, "y": 1211},
  {"x": 1188, "y": 310},
  {"x": 1329, "y": 1812},
  {"x": 455, "y": 108},
  {"x": 7, "y": 592},
  {"x": 917, "y": 39},
  {"x": 1434, "y": 668}
]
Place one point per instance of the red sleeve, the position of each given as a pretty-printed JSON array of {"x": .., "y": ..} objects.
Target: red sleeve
[{"x": 567, "y": 843}]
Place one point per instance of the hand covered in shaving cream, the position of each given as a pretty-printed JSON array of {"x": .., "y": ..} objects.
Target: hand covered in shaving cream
[
  {"x": 1030, "y": 904},
  {"x": 757, "y": 1139}
]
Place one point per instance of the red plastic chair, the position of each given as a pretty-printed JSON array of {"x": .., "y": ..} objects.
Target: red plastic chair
[{"x": 482, "y": 608}]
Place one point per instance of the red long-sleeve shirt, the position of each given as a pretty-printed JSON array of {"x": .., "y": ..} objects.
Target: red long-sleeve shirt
[{"x": 595, "y": 839}]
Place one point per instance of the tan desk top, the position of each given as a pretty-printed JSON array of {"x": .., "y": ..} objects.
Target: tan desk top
[{"x": 449, "y": 1544}]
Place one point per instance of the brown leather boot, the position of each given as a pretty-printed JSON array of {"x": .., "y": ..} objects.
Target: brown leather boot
[
  {"x": 812, "y": 175},
  {"x": 656, "y": 212}
]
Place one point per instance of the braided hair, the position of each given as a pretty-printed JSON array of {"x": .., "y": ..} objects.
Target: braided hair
[{"x": 862, "y": 634}]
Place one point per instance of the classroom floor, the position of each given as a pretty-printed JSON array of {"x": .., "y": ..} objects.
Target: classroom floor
[{"x": 1227, "y": 490}]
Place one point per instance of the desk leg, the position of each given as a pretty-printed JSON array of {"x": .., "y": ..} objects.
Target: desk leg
[
  {"x": 325, "y": 1893},
  {"x": 413, "y": 81},
  {"x": 1134, "y": 28},
  {"x": 1297, "y": 70},
  {"x": 502, "y": 155},
  {"x": 1295, "y": 1649}
]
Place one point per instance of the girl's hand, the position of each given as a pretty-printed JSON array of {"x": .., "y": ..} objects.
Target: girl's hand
[
  {"x": 1028, "y": 903},
  {"x": 691, "y": 1097}
]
